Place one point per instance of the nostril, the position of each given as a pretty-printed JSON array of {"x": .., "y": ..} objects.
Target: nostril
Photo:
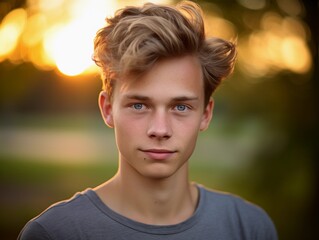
[
  {"x": 159, "y": 126},
  {"x": 162, "y": 133},
  {"x": 159, "y": 136}
]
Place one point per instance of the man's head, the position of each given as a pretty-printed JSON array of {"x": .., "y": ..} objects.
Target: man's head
[{"x": 137, "y": 37}]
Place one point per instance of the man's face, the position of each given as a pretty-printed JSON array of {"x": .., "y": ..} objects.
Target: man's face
[{"x": 157, "y": 117}]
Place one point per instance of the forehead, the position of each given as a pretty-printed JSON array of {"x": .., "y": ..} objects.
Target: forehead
[{"x": 168, "y": 78}]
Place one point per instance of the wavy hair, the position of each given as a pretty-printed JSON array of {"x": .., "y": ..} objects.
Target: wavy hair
[{"x": 136, "y": 37}]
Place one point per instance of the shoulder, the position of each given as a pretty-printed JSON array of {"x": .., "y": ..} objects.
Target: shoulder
[
  {"x": 33, "y": 231},
  {"x": 58, "y": 217},
  {"x": 239, "y": 213},
  {"x": 77, "y": 205},
  {"x": 232, "y": 203}
]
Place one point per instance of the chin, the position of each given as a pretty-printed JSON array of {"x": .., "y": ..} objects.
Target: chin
[{"x": 159, "y": 172}]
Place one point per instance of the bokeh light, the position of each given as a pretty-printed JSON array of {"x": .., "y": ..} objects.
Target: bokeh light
[
  {"x": 279, "y": 44},
  {"x": 11, "y": 29},
  {"x": 55, "y": 34},
  {"x": 59, "y": 35}
]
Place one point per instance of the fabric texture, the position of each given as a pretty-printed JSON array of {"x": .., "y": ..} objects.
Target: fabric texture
[{"x": 218, "y": 215}]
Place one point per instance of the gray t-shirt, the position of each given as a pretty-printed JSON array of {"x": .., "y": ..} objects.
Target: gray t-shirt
[{"x": 218, "y": 216}]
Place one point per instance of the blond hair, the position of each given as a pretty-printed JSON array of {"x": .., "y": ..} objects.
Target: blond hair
[{"x": 136, "y": 37}]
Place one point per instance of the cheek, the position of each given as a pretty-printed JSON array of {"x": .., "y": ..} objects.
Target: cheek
[
  {"x": 192, "y": 139},
  {"x": 187, "y": 132},
  {"x": 188, "y": 126},
  {"x": 127, "y": 128},
  {"x": 123, "y": 137}
]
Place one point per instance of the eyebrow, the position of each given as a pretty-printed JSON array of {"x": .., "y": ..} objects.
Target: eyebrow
[
  {"x": 137, "y": 97},
  {"x": 175, "y": 99},
  {"x": 185, "y": 98}
]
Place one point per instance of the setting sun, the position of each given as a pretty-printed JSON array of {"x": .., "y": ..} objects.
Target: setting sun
[
  {"x": 56, "y": 34},
  {"x": 70, "y": 44}
]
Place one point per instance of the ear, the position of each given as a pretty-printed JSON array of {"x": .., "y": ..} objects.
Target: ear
[
  {"x": 207, "y": 115},
  {"x": 106, "y": 108}
]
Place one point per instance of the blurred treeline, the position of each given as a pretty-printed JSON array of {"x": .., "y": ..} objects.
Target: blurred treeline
[{"x": 277, "y": 100}]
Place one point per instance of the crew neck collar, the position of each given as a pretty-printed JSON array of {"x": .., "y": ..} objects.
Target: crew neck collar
[{"x": 148, "y": 228}]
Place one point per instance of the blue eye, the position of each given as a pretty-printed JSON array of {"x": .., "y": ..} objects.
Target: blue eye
[
  {"x": 181, "y": 108},
  {"x": 137, "y": 106}
]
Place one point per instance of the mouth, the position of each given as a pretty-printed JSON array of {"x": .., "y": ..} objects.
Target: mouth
[{"x": 158, "y": 154}]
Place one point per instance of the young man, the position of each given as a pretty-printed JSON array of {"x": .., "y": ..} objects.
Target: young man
[{"x": 159, "y": 72}]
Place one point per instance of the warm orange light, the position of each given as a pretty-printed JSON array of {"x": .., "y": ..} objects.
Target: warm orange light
[
  {"x": 55, "y": 33},
  {"x": 59, "y": 35},
  {"x": 10, "y": 31},
  {"x": 68, "y": 41},
  {"x": 220, "y": 27},
  {"x": 70, "y": 52},
  {"x": 70, "y": 44},
  {"x": 279, "y": 45},
  {"x": 296, "y": 55}
]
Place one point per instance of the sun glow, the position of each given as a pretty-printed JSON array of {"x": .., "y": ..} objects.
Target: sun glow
[
  {"x": 55, "y": 34},
  {"x": 59, "y": 35},
  {"x": 70, "y": 44}
]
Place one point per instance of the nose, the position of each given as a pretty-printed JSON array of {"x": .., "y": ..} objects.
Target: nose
[{"x": 159, "y": 126}]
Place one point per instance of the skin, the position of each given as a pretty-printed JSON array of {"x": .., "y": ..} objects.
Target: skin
[{"x": 156, "y": 119}]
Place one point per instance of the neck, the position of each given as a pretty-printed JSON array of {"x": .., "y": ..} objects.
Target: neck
[{"x": 157, "y": 201}]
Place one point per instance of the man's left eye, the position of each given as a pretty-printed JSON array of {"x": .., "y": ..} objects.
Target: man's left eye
[{"x": 181, "y": 108}]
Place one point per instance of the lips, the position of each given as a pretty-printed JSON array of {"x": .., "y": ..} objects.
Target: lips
[{"x": 158, "y": 154}]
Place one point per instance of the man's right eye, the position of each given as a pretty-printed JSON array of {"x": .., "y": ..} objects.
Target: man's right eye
[{"x": 138, "y": 106}]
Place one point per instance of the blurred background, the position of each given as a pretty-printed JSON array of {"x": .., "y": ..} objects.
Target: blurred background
[{"x": 262, "y": 143}]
